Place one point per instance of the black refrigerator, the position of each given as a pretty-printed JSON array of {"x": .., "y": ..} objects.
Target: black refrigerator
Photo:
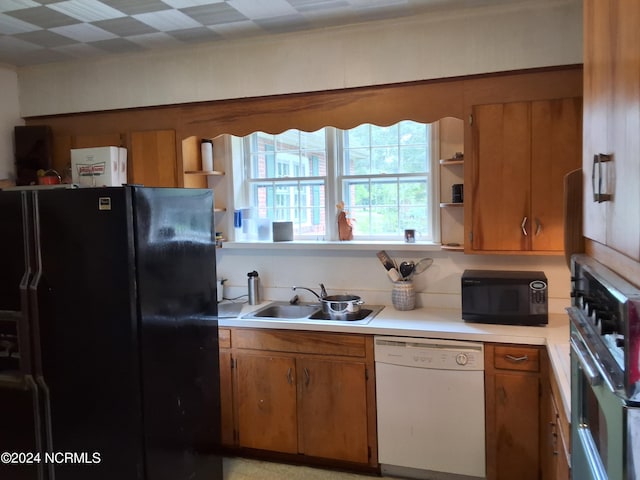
[{"x": 108, "y": 335}]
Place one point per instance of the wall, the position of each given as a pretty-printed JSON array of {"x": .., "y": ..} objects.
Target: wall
[
  {"x": 359, "y": 272},
  {"x": 523, "y": 35},
  {"x": 9, "y": 117},
  {"x": 517, "y": 35}
]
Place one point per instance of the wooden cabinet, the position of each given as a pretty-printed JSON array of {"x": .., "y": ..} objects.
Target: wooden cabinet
[
  {"x": 611, "y": 124},
  {"x": 266, "y": 402},
  {"x": 512, "y": 389},
  {"x": 521, "y": 153},
  {"x": 555, "y": 432},
  {"x": 306, "y": 394},
  {"x": 152, "y": 158},
  {"x": 333, "y": 409},
  {"x": 226, "y": 387}
]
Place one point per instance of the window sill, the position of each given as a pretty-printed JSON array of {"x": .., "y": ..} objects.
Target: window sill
[{"x": 352, "y": 245}]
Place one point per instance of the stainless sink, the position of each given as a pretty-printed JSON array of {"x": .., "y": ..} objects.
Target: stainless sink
[
  {"x": 310, "y": 311},
  {"x": 285, "y": 310}
]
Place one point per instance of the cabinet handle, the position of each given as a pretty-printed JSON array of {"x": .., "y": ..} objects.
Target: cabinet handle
[
  {"x": 598, "y": 160},
  {"x": 523, "y": 226},
  {"x": 521, "y": 359},
  {"x": 538, "y": 227},
  {"x": 307, "y": 377},
  {"x": 289, "y": 377}
]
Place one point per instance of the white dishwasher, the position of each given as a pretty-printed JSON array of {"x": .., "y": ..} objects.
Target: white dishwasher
[{"x": 430, "y": 403}]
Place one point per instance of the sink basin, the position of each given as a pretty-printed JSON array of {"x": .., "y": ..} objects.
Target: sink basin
[
  {"x": 285, "y": 310},
  {"x": 311, "y": 312}
]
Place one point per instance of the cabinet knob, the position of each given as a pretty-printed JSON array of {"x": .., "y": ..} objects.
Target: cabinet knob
[{"x": 523, "y": 226}]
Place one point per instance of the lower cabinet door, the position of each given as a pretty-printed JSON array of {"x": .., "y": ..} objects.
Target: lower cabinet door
[
  {"x": 333, "y": 409},
  {"x": 266, "y": 402}
]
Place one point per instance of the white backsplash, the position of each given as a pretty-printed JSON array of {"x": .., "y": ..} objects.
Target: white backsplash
[{"x": 360, "y": 273}]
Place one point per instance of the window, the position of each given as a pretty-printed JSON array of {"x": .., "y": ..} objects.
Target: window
[{"x": 383, "y": 174}]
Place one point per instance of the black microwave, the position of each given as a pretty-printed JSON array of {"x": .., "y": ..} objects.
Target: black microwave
[{"x": 505, "y": 297}]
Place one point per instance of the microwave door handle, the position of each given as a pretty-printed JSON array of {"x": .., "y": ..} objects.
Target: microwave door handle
[{"x": 587, "y": 365}]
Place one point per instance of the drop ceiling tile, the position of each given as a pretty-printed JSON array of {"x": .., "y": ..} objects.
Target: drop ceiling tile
[
  {"x": 214, "y": 14},
  {"x": 283, "y": 24},
  {"x": 190, "y": 3},
  {"x": 9, "y": 5},
  {"x": 257, "y": 9},
  {"x": 139, "y": 6},
  {"x": 12, "y": 26},
  {"x": 117, "y": 45},
  {"x": 84, "y": 32},
  {"x": 196, "y": 35},
  {"x": 245, "y": 28},
  {"x": 155, "y": 40},
  {"x": 43, "y": 17},
  {"x": 86, "y": 10},
  {"x": 45, "y": 38},
  {"x": 124, "y": 27},
  {"x": 167, "y": 20}
]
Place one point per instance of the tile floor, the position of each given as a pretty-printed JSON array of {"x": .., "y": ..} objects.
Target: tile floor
[{"x": 244, "y": 469}]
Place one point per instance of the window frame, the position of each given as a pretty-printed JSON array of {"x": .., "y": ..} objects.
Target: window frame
[{"x": 333, "y": 186}]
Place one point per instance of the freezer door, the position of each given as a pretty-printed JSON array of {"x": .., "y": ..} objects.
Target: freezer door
[{"x": 176, "y": 273}]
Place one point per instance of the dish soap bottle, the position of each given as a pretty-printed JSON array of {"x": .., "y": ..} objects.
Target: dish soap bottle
[{"x": 253, "y": 284}]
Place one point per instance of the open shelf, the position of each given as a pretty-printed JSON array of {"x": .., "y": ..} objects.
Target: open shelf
[
  {"x": 204, "y": 172},
  {"x": 451, "y": 161}
]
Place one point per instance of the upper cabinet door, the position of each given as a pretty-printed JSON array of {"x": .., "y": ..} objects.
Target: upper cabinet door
[
  {"x": 152, "y": 160},
  {"x": 612, "y": 123},
  {"x": 556, "y": 149},
  {"x": 521, "y": 153},
  {"x": 500, "y": 187}
]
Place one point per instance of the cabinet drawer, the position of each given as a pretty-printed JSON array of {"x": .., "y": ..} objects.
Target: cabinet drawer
[
  {"x": 516, "y": 358},
  {"x": 299, "y": 342},
  {"x": 224, "y": 338}
]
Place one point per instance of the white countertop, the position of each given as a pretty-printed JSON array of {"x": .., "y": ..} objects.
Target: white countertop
[{"x": 439, "y": 323}]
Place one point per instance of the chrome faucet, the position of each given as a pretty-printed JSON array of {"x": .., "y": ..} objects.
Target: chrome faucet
[{"x": 323, "y": 291}]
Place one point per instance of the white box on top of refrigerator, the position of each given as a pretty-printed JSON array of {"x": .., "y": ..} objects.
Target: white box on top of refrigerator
[{"x": 99, "y": 166}]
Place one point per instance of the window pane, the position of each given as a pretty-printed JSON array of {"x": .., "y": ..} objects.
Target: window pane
[
  {"x": 358, "y": 137},
  {"x": 357, "y": 161},
  {"x": 402, "y": 148},
  {"x": 290, "y": 154},
  {"x": 383, "y": 136},
  {"x": 387, "y": 206},
  {"x": 302, "y": 203}
]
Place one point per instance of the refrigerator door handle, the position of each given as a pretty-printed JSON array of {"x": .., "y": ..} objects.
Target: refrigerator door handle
[
  {"x": 23, "y": 323},
  {"x": 37, "y": 422},
  {"x": 35, "y": 322},
  {"x": 46, "y": 407}
]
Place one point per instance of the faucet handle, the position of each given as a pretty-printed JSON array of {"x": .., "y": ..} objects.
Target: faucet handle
[{"x": 323, "y": 291}]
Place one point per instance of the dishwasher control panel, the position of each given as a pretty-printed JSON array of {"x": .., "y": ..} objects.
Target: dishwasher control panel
[{"x": 429, "y": 353}]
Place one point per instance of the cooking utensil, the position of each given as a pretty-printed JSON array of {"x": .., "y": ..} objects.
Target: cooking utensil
[
  {"x": 421, "y": 266},
  {"x": 340, "y": 307},
  {"x": 406, "y": 269}
]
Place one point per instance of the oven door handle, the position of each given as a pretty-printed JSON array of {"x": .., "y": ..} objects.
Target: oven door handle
[{"x": 589, "y": 368}]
